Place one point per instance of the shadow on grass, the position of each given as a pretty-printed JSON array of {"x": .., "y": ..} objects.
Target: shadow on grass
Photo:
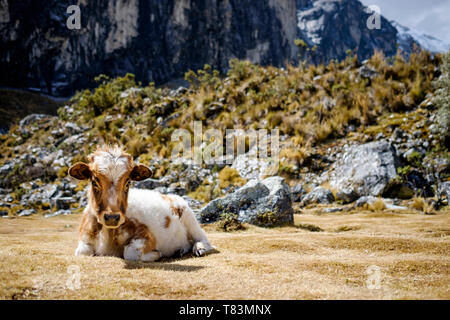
[
  {"x": 308, "y": 227},
  {"x": 168, "y": 263}
]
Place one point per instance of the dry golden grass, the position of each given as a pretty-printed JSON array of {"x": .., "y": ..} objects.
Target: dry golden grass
[
  {"x": 420, "y": 204},
  {"x": 411, "y": 250}
]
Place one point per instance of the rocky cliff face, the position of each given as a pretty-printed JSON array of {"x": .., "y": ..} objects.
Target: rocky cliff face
[
  {"x": 160, "y": 40},
  {"x": 335, "y": 26},
  {"x": 156, "y": 40}
]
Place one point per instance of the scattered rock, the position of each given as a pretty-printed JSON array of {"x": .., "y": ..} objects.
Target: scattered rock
[
  {"x": 347, "y": 195},
  {"x": 63, "y": 203},
  {"x": 58, "y": 213},
  {"x": 6, "y": 168},
  {"x": 131, "y": 92},
  {"x": 367, "y": 72},
  {"x": 213, "y": 108},
  {"x": 170, "y": 190},
  {"x": 32, "y": 118},
  {"x": 331, "y": 210},
  {"x": 297, "y": 192},
  {"x": 27, "y": 212},
  {"x": 365, "y": 200},
  {"x": 72, "y": 128},
  {"x": 318, "y": 195},
  {"x": 250, "y": 166},
  {"x": 150, "y": 184},
  {"x": 194, "y": 204},
  {"x": 178, "y": 92}
]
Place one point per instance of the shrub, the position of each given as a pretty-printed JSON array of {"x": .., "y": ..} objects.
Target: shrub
[
  {"x": 206, "y": 77},
  {"x": 377, "y": 205},
  {"x": 229, "y": 222},
  {"x": 106, "y": 95},
  {"x": 230, "y": 177},
  {"x": 421, "y": 205}
]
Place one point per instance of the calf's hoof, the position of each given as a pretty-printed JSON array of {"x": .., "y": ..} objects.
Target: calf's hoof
[
  {"x": 200, "y": 248},
  {"x": 84, "y": 249}
]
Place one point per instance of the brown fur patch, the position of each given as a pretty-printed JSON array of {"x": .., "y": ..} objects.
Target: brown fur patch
[
  {"x": 167, "y": 223},
  {"x": 175, "y": 210},
  {"x": 138, "y": 231},
  {"x": 178, "y": 211},
  {"x": 89, "y": 226}
]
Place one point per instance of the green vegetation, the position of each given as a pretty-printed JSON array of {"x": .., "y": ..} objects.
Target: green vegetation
[
  {"x": 229, "y": 222},
  {"x": 308, "y": 108},
  {"x": 256, "y": 97},
  {"x": 230, "y": 177}
]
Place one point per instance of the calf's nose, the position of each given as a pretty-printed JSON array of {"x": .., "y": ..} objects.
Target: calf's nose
[{"x": 112, "y": 219}]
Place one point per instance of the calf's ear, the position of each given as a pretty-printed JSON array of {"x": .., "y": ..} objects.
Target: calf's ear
[
  {"x": 140, "y": 172},
  {"x": 80, "y": 171}
]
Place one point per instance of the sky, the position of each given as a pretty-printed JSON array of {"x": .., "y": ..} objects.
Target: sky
[{"x": 428, "y": 16}]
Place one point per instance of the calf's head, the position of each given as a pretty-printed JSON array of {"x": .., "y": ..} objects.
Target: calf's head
[{"x": 110, "y": 171}]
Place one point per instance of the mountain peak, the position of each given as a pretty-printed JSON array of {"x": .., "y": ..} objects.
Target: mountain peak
[{"x": 406, "y": 37}]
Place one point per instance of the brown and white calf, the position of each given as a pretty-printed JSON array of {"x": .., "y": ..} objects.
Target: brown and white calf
[{"x": 132, "y": 223}]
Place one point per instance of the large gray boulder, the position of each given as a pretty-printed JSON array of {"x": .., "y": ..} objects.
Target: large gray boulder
[
  {"x": 368, "y": 169},
  {"x": 264, "y": 203}
]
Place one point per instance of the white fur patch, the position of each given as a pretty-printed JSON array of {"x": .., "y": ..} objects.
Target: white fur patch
[
  {"x": 112, "y": 163},
  {"x": 84, "y": 249},
  {"x": 133, "y": 250}
]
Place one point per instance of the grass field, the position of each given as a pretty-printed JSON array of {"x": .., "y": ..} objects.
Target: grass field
[{"x": 410, "y": 251}]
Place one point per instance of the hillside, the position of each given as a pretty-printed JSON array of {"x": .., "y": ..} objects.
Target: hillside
[
  {"x": 16, "y": 104},
  {"x": 322, "y": 113}
]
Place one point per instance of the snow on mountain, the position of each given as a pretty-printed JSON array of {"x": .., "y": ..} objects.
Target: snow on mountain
[{"x": 406, "y": 37}]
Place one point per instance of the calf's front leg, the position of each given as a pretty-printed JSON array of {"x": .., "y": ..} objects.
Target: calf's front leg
[
  {"x": 88, "y": 231},
  {"x": 84, "y": 249}
]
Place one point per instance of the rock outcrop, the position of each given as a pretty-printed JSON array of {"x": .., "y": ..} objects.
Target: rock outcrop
[
  {"x": 335, "y": 26},
  {"x": 318, "y": 195},
  {"x": 155, "y": 40}
]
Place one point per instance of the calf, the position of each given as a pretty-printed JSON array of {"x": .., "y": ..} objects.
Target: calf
[{"x": 132, "y": 223}]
